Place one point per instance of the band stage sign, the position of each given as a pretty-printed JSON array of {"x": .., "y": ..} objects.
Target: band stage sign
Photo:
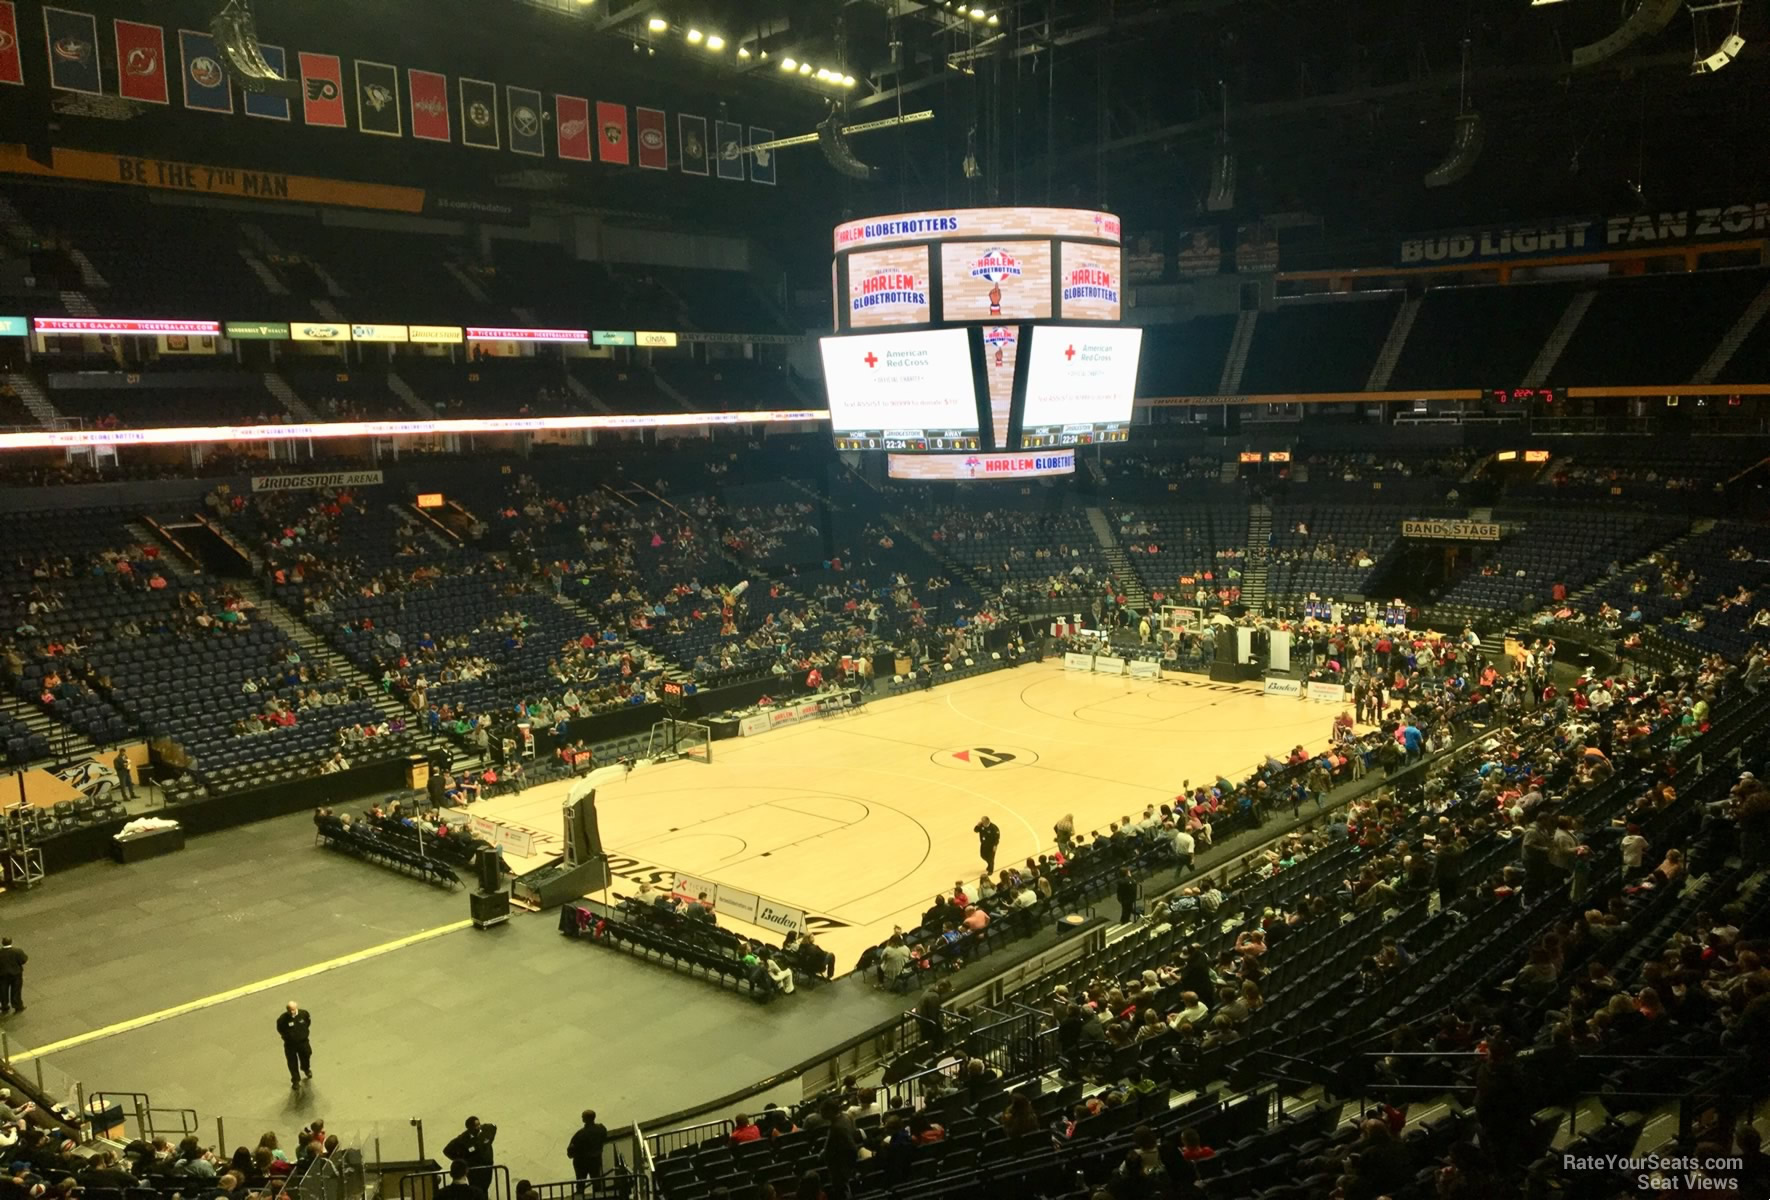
[{"x": 1452, "y": 530}]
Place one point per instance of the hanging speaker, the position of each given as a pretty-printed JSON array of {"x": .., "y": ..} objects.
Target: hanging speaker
[
  {"x": 1649, "y": 17},
  {"x": 236, "y": 36},
  {"x": 1465, "y": 148},
  {"x": 834, "y": 143}
]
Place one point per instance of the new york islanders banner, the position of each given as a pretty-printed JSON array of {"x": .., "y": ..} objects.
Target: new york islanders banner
[
  {"x": 205, "y": 80},
  {"x": 141, "y": 62}
]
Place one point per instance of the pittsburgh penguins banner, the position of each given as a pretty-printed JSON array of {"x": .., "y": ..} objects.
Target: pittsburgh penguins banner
[
  {"x": 691, "y": 135},
  {"x": 526, "y": 135},
  {"x": 730, "y": 150},
  {"x": 761, "y": 161},
  {"x": 259, "y": 104},
  {"x": 479, "y": 114},
  {"x": 377, "y": 99}
]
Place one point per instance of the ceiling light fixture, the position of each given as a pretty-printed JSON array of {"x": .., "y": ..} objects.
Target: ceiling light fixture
[
  {"x": 657, "y": 24},
  {"x": 715, "y": 42},
  {"x": 787, "y": 63},
  {"x": 804, "y": 68},
  {"x": 743, "y": 52},
  {"x": 694, "y": 37}
]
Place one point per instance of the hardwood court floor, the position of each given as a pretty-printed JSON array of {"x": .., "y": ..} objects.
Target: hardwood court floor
[{"x": 861, "y": 819}]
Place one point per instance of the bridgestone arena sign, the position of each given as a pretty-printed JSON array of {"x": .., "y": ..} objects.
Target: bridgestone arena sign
[
  {"x": 314, "y": 482},
  {"x": 1455, "y": 531}
]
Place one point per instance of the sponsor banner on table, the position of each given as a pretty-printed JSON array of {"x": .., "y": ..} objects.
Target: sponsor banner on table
[
  {"x": 1327, "y": 693},
  {"x": 1141, "y": 669},
  {"x": 1077, "y": 662},
  {"x": 1283, "y": 687},
  {"x": 1108, "y": 665}
]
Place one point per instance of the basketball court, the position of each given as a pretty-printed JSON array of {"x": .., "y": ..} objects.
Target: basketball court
[{"x": 860, "y": 819}]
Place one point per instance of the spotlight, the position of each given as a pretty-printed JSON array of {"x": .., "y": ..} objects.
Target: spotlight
[
  {"x": 743, "y": 52},
  {"x": 715, "y": 42},
  {"x": 657, "y": 24},
  {"x": 977, "y": 14},
  {"x": 804, "y": 68},
  {"x": 694, "y": 37},
  {"x": 847, "y": 81},
  {"x": 993, "y": 20},
  {"x": 787, "y": 63},
  {"x": 823, "y": 75}
]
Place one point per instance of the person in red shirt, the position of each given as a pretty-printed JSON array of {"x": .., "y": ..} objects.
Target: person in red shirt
[
  {"x": 743, "y": 1130},
  {"x": 1191, "y": 1149}
]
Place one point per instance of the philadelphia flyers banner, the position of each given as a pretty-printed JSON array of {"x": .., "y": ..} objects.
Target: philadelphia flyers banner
[{"x": 322, "y": 90}]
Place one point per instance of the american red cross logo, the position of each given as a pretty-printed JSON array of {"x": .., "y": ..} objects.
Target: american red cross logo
[
  {"x": 871, "y": 359},
  {"x": 1070, "y": 352}
]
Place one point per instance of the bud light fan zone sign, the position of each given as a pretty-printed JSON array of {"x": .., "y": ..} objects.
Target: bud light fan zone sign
[
  {"x": 980, "y": 466},
  {"x": 888, "y": 287}
]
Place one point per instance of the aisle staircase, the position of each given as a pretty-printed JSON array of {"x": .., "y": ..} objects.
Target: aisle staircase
[
  {"x": 31, "y": 394},
  {"x": 1123, "y": 573},
  {"x": 1236, "y": 361},
  {"x": 289, "y": 398},
  {"x": 1550, "y": 354},
  {"x": 404, "y": 391},
  {"x": 1390, "y": 354},
  {"x": 1253, "y": 576},
  {"x": 1734, "y": 338},
  {"x": 66, "y": 744},
  {"x": 313, "y": 649}
]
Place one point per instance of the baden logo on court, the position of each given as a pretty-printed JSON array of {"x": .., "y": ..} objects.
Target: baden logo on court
[{"x": 984, "y": 758}]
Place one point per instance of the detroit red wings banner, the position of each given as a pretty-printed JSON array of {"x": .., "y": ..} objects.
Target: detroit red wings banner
[
  {"x": 429, "y": 92},
  {"x": 571, "y": 127},
  {"x": 141, "y": 62},
  {"x": 12, "y": 65}
]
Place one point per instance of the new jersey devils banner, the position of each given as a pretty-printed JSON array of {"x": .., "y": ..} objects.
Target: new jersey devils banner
[{"x": 141, "y": 62}]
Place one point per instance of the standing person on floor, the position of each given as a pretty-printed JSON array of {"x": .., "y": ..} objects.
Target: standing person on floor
[
  {"x": 473, "y": 1146},
  {"x": 1127, "y": 893},
  {"x": 295, "y": 1026},
  {"x": 125, "y": 778},
  {"x": 12, "y": 977},
  {"x": 989, "y": 836},
  {"x": 585, "y": 1148}
]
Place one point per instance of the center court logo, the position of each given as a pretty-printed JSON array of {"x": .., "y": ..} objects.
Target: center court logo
[{"x": 984, "y": 758}]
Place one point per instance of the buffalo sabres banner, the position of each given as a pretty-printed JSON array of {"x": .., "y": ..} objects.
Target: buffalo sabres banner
[
  {"x": 259, "y": 104},
  {"x": 12, "y": 63},
  {"x": 479, "y": 114},
  {"x": 205, "y": 80},
  {"x": 524, "y": 107},
  {"x": 428, "y": 92},
  {"x": 691, "y": 140},
  {"x": 322, "y": 90},
  {"x": 73, "y": 51},
  {"x": 761, "y": 161},
  {"x": 377, "y": 99},
  {"x": 730, "y": 150},
  {"x": 141, "y": 62},
  {"x": 571, "y": 128}
]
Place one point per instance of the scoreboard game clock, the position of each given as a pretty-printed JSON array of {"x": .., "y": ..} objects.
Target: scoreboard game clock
[
  {"x": 1526, "y": 395},
  {"x": 674, "y": 693}
]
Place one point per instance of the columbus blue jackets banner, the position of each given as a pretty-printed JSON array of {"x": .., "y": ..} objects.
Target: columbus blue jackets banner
[
  {"x": 205, "y": 80},
  {"x": 141, "y": 62},
  {"x": 73, "y": 51},
  {"x": 479, "y": 114},
  {"x": 526, "y": 134},
  {"x": 730, "y": 150},
  {"x": 761, "y": 161},
  {"x": 377, "y": 99},
  {"x": 691, "y": 134},
  {"x": 271, "y": 108}
]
